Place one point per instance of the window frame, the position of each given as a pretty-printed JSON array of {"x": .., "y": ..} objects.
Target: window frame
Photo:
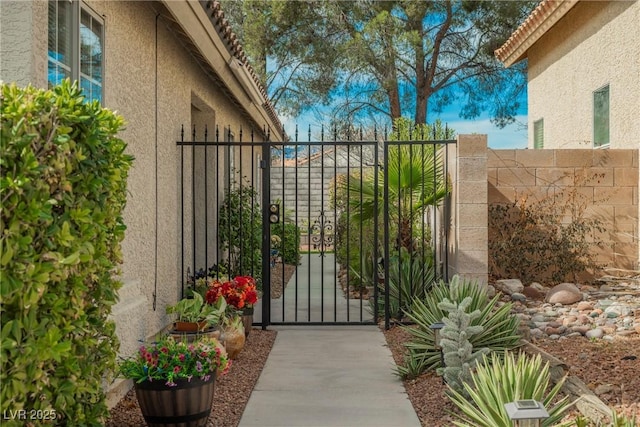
[
  {"x": 538, "y": 144},
  {"x": 597, "y": 144},
  {"x": 74, "y": 67}
]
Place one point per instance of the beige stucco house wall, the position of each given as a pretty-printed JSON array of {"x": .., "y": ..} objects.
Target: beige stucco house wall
[
  {"x": 574, "y": 48},
  {"x": 166, "y": 64}
]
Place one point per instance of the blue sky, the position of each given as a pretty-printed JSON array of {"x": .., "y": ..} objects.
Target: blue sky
[{"x": 512, "y": 136}]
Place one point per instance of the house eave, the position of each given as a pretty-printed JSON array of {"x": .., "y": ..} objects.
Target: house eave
[
  {"x": 194, "y": 28},
  {"x": 543, "y": 17}
]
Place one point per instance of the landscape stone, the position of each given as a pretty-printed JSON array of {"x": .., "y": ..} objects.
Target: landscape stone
[
  {"x": 518, "y": 297},
  {"x": 595, "y": 333},
  {"x": 533, "y": 293},
  {"x": 564, "y": 293},
  {"x": 509, "y": 286}
]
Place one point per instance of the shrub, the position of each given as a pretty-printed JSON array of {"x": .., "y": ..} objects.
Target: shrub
[
  {"x": 501, "y": 379},
  {"x": 289, "y": 245},
  {"x": 63, "y": 190},
  {"x": 240, "y": 231},
  {"x": 550, "y": 239},
  {"x": 500, "y": 326}
]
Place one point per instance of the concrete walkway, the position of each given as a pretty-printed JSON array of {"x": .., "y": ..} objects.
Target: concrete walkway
[{"x": 329, "y": 376}]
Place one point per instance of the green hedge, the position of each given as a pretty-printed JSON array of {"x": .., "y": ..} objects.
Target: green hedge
[{"x": 63, "y": 190}]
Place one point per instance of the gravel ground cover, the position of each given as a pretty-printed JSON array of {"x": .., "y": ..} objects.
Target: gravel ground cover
[{"x": 610, "y": 369}]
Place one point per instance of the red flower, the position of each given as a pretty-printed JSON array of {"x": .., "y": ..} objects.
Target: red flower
[{"x": 238, "y": 293}]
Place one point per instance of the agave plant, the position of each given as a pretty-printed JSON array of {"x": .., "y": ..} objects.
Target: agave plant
[
  {"x": 409, "y": 278},
  {"x": 500, "y": 326},
  {"x": 503, "y": 378}
]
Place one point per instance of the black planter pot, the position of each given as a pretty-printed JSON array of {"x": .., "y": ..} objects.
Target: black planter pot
[{"x": 188, "y": 404}]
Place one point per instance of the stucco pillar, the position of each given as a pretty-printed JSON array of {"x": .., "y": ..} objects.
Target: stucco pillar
[{"x": 469, "y": 247}]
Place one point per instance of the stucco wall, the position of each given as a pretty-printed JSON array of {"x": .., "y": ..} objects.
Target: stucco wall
[
  {"x": 152, "y": 80},
  {"x": 612, "y": 197},
  {"x": 595, "y": 44},
  {"x": 23, "y": 45}
]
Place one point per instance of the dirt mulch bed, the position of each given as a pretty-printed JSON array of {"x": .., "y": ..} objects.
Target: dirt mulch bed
[
  {"x": 232, "y": 391},
  {"x": 596, "y": 363}
]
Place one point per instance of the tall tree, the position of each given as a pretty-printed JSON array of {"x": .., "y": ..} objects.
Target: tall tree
[{"x": 395, "y": 57}]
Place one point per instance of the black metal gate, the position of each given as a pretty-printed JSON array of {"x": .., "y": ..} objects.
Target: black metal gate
[{"x": 335, "y": 231}]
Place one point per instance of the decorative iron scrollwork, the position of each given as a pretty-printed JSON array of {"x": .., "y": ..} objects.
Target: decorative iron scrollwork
[{"x": 322, "y": 233}]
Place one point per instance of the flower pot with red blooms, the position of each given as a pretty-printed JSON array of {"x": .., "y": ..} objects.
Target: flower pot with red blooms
[
  {"x": 174, "y": 380},
  {"x": 240, "y": 293}
]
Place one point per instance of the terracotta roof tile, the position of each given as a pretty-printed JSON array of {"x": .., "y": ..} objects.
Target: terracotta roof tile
[
  {"x": 216, "y": 14},
  {"x": 543, "y": 17}
]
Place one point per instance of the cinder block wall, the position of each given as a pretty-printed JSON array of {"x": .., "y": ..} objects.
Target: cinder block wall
[
  {"x": 613, "y": 196},
  {"x": 468, "y": 250}
]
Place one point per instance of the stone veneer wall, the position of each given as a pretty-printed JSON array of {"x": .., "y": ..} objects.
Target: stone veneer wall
[{"x": 614, "y": 197}]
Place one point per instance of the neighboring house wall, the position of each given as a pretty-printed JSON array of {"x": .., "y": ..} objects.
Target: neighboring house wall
[
  {"x": 612, "y": 198},
  {"x": 157, "y": 85},
  {"x": 595, "y": 44}
]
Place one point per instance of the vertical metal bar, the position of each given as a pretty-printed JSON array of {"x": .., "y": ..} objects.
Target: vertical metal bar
[
  {"x": 447, "y": 213},
  {"x": 228, "y": 149},
  {"x": 422, "y": 189},
  {"x": 375, "y": 278},
  {"x": 193, "y": 198},
  {"x": 400, "y": 223},
  {"x": 217, "y": 169},
  {"x": 322, "y": 232},
  {"x": 434, "y": 216},
  {"x": 206, "y": 201},
  {"x": 348, "y": 236},
  {"x": 335, "y": 229},
  {"x": 266, "y": 232},
  {"x": 182, "y": 211},
  {"x": 282, "y": 231},
  {"x": 361, "y": 225},
  {"x": 297, "y": 207},
  {"x": 309, "y": 230},
  {"x": 385, "y": 187}
]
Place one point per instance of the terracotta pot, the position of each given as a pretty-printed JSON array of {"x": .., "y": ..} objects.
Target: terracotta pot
[
  {"x": 247, "y": 320},
  {"x": 188, "y": 404},
  {"x": 189, "y": 326},
  {"x": 233, "y": 341}
]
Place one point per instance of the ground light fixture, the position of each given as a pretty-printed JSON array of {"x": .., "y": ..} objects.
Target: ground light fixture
[
  {"x": 526, "y": 413},
  {"x": 435, "y": 327}
]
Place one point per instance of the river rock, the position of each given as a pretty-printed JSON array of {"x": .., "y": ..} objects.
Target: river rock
[
  {"x": 509, "y": 286},
  {"x": 564, "y": 293}
]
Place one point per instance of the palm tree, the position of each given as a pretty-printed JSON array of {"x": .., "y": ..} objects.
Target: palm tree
[{"x": 415, "y": 182}]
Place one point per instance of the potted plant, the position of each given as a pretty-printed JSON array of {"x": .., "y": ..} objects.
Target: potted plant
[
  {"x": 233, "y": 334},
  {"x": 197, "y": 315},
  {"x": 240, "y": 293},
  {"x": 174, "y": 380}
]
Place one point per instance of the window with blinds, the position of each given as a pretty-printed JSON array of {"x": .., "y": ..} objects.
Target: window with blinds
[
  {"x": 538, "y": 134},
  {"x": 601, "y": 117},
  {"x": 75, "y": 47}
]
